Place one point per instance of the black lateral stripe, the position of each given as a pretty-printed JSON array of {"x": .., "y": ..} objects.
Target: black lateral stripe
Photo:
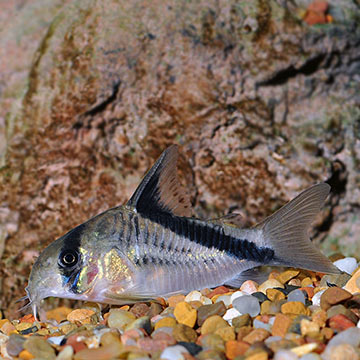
[
  {"x": 212, "y": 236},
  {"x": 72, "y": 241}
]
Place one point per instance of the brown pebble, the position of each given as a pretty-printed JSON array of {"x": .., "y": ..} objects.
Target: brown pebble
[
  {"x": 320, "y": 317},
  {"x": 174, "y": 300},
  {"x": 242, "y": 320},
  {"x": 206, "y": 311},
  {"x": 256, "y": 335},
  {"x": 39, "y": 348},
  {"x": 59, "y": 314},
  {"x": 287, "y": 275},
  {"x": 327, "y": 333},
  {"x": 235, "y": 348},
  {"x": 155, "y": 309},
  {"x": 212, "y": 323},
  {"x": 281, "y": 325},
  {"x": 226, "y": 333},
  {"x": 295, "y": 307},
  {"x": 140, "y": 309},
  {"x": 211, "y": 341},
  {"x": 243, "y": 331},
  {"x": 340, "y": 322},
  {"x": 183, "y": 332},
  {"x": 111, "y": 351},
  {"x": 333, "y": 296},
  {"x": 82, "y": 317},
  {"x": 274, "y": 294}
]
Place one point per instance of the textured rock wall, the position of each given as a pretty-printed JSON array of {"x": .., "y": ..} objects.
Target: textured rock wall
[{"x": 262, "y": 104}]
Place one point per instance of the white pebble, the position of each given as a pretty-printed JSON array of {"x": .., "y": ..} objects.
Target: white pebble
[
  {"x": 225, "y": 298},
  {"x": 247, "y": 304},
  {"x": 231, "y": 314},
  {"x": 236, "y": 294},
  {"x": 56, "y": 340},
  {"x": 348, "y": 264},
  {"x": 205, "y": 300},
  {"x": 193, "y": 296},
  {"x": 261, "y": 325},
  {"x": 358, "y": 324},
  {"x": 316, "y": 298},
  {"x": 285, "y": 355},
  {"x": 174, "y": 353},
  {"x": 311, "y": 356},
  {"x": 296, "y": 295},
  {"x": 350, "y": 336}
]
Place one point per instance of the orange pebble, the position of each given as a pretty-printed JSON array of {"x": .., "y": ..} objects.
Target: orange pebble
[{"x": 25, "y": 355}]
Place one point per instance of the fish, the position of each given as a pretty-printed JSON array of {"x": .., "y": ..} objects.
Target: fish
[{"x": 153, "y": 247}]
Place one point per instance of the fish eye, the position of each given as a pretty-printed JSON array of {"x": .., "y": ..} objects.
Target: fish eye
[{"x": 68, "y": 258}]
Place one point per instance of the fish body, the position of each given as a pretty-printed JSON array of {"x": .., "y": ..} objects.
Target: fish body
[{"x": 152, "y": 247}]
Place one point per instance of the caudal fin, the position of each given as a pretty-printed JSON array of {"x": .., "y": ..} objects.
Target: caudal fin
[{"x": 286, "y": 231}]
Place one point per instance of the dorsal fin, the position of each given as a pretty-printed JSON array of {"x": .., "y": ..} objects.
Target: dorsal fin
[{"x": 160, "y": 190}]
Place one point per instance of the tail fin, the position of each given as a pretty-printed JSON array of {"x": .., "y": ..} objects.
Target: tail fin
[{"x": 286, "y": 232}]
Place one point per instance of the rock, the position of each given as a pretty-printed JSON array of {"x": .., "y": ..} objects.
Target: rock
[
  {"x": 249, "y": 287},
  {"x": 6, "y": 327},
  {"x": 341, "y": 309},
  {"x": 185, "y": 314},
  {"x": 155, "y": 309},
  {"x": 327, "y": 333},
  {"x": 193, "y": 296},
  {"x": 308, "y": 327},
  {"x": 76, "y": 343},
  {"x": 56, "y": 340},
  {"x": 226, "y": 333},
  {"x": 174, "y": 353},
  {"x": 306, "y": 282},
  {"x": 226, "y": 299},
  {"x": 285, "y": 355},
  {"x": 242, "y": 320},
  {"x": 165, "y": 322},
  {"x": 231, "y": 314},
  {"x": 316, "y": 298},
  {"x": 15, "y": 344},
  {"x": 256, "y": 335},
  {"x": 270, "y": 284},
  {"x": 66, "y": 353},
  {"x": 281, "y": 325},
  {"x": 350, "y": 336},
  {"x": 304, "y": 349},
  {"x": 140, "y": 309},
  {"x": 273, "y": 294},
  {"x": 120, "y": 318},
  {"x": 311, "y": 356},
  {"x": 260, "y": 296},
  {"x": 235, "y": 348},
  {"x": 243, "y": 331},
  {"x": 110, "y": 351},
  {"x": 210, "y": 355},
  {"x": 212, "y": 323},
  {"x": 59, "y": 314},
  {"x": 353, "y": 285},
  {"x": 295, "y": 307},
  {"x": 333, "y": 296},
  {"x": 212, "y": 341},
  {"x": 257, "y": 324},
  {"x": 340, "y": 352},
  {"x": 140, "y": 323},
  {"x": 174, "y": 300},
  {"x": 348, "y": 264},
  {"x": 206, "y": 311},
  {"x": 39, "y": 348},
  {"x": 338, "y": 280},
  {"x": 152, "y": 345},
  {"x": 247, "y": 304},
  {"x": 260, "y": 355},
  {"x": 219, "y": 290},
  {"x": 183, "y": 332},
  {"x": 319, "y": 317},
  {"x": 296, "y": 295},
  {"x": 287, "y": 275},
  {"x": 340, "y": 322},
  {"x": 191, "y": 347},
  {"x": 82, "y": 317}
]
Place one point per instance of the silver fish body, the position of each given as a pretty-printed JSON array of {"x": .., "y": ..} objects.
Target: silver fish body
[{"x": 153, "y": 247}]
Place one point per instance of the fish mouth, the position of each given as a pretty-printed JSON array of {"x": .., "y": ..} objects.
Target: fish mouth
[{"x": 32, "y": 302}]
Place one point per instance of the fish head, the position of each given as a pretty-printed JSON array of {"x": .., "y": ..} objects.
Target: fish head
[
  {"x": 83, "y": 264},
  {"x": 67, "y": 268}
]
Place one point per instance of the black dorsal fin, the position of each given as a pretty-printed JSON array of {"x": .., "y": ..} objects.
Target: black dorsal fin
[{"x": 160, "y": 190}]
